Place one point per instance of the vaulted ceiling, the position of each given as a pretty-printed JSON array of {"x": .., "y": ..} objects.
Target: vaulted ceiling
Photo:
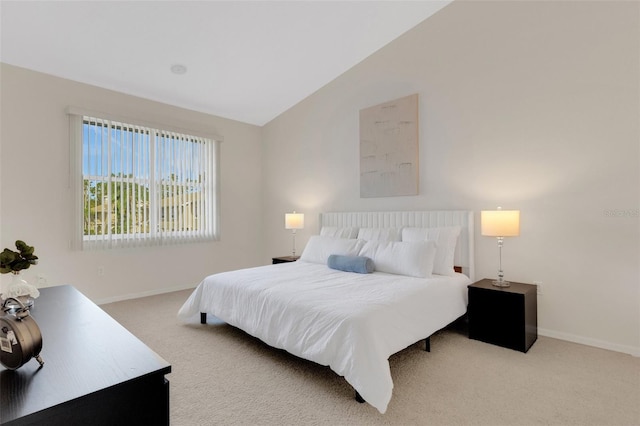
[{"x": 244, "y": 60}]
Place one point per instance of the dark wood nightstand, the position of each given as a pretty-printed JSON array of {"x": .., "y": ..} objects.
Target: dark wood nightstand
[
  {"x": 503, "y": 316},
  {"x": 284, "y": 259}
]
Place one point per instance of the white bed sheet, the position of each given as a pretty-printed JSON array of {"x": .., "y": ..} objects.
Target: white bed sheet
[{"x": 350, "y": 322}]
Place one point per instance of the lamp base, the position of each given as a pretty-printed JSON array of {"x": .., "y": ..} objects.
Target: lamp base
[{"x": 499, "y": 283}]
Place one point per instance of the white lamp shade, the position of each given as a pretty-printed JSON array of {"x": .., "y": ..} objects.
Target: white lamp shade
[
  {"x": 500, "y": 223},
  {"x": 294, "y": 220}
]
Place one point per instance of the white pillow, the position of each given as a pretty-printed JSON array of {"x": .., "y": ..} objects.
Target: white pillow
[
  {"x": 379, "y": 234},
  {"x": 414, "y": 259},
  {"x": 334, "y": 231},
  {"x": 445, "y": 237},
  {"x": 318, "y": 248}
]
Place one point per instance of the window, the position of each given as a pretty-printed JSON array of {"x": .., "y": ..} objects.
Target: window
[{"x": 139, "y": 185}]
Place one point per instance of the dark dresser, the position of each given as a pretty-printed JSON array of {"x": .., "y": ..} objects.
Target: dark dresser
[{"x": 95, "y": 371}]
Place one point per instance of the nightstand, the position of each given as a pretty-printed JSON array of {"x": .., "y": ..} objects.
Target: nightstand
[
  {"x": 503, "y": 316},
  {"x": 284, "y": 259}
]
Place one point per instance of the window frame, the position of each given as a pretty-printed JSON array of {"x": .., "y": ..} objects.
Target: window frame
[{"x": 154, "y": 235}]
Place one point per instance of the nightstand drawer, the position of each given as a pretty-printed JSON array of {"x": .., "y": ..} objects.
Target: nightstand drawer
[{"x": 503, "y": 316}]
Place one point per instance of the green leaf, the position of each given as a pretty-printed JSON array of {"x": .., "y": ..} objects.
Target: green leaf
[
  {"x": 20, "y": 265},
  {"x": 25, "y": 249},
  {"x": 8, "y": 256}
]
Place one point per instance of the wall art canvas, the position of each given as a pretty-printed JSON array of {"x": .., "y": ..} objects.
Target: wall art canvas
[{"x": 389, "y": 148}]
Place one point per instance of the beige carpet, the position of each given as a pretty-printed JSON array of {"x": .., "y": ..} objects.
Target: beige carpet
[{"x": 221, "y": 376}]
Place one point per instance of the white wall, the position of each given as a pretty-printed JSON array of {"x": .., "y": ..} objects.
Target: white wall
[
  {"x": 528, "y": 105},
  {"x": 36, "y": 201}
]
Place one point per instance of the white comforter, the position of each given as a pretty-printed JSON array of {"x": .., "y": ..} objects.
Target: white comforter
[{"x": 350, "y": 322}]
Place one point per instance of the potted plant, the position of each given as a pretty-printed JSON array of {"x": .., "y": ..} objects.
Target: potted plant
[{"x": 14, "y": 262}]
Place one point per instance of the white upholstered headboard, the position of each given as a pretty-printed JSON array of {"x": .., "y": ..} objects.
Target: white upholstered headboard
[{"x": 464, "y": 255}]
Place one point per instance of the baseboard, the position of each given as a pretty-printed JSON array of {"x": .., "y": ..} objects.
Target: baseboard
[
  {"x": 631, "y": 350},
  {"x": 142, "y": 294}
]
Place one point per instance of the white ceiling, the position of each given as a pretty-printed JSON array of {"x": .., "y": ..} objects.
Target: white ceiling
[{"x": 246, "y": 60}]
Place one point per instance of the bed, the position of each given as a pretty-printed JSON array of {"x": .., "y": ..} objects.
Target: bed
[{"x": 352, "y": 322}]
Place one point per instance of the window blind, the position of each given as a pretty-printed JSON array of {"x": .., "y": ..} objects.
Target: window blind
[{"x": 138, "y": 185}]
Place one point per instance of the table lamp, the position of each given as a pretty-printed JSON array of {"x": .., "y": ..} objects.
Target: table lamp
[
  {"x": 294, "y": 221},
  {"x": 500, "y": 223}
]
